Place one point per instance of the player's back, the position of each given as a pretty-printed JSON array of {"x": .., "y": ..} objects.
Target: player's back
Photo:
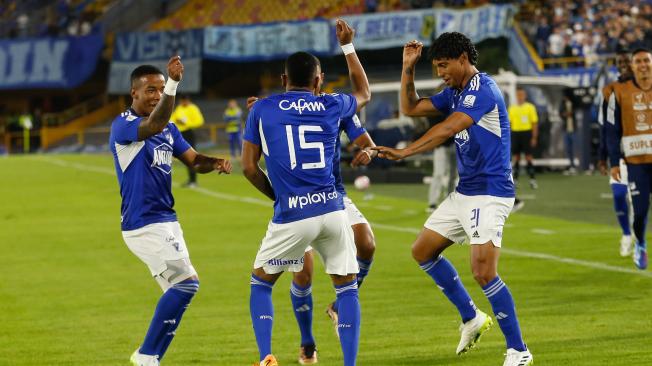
[{"x": 297, "y": 132}]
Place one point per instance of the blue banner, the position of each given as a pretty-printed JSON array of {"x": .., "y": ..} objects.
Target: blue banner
[
  {"x": 268, "y": 41},
  {"x": 155, "y": 48},
  {"x": 489, "y": 21},
  {"x": 394, "y": 29},
  {"x": 63, "y": 62}
]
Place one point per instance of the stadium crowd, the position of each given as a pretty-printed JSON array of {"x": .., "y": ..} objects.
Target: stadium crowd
[{"x": 589, "y": 28}]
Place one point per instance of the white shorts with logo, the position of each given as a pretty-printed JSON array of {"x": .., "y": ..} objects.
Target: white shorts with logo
[
  {"x": 623, "y": 174},
  {"x": 480, "y": 218},
  {"x": 157, "y": 244},
  {"x": 284, "y": 245},
  {"x": 354, "y": 215}
]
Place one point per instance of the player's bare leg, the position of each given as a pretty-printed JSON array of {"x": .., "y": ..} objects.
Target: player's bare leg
[
  {"x": 427, "y": 250},
  {"x": 484, "y": 265},
  {"x": 262, "y": 312},
  {"x": 301, "y": 297}
]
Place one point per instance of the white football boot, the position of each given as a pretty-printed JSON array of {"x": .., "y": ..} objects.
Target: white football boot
[
  {"x": 626, "y": 245},
  {"x": 516, "y": 358},
  {"x": 472, "y": 331},
  {"x": 139, "y": 359}
]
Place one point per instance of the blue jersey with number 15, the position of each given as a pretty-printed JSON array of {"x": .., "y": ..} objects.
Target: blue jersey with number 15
[{"x": 297, "y": 132}]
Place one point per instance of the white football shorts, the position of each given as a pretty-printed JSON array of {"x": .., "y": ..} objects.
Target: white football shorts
[
  {"x": 284, "y": 245},
  {"x": 353, "y": 214},
  {"x": 480, "y": 218},
  {"x": 156, "y": 244},
  {"x": 623, "y": 174}
]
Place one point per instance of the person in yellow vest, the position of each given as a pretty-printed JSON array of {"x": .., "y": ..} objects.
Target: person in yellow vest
[
  {"x": 188, "y": 117},
  {"x": 627, "y": 135},
  {"x": 524, "y": 120},
  {"x": 233, "y": 119}
]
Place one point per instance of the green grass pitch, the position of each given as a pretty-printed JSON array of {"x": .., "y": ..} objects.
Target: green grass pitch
[{"x": 72, "y": 293}]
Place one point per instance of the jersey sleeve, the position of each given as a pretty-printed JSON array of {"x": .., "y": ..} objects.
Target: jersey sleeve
[
  {"x": 252, "y": 132},
  {"x": 353, "y": 127},
  {"x": 348, "y": 103},
  {"x": 441, "y": 101},
  {"x": 476, "y": 103},
  {"x": 180, "y": 144},
  {"x": 125, "y": 129}
]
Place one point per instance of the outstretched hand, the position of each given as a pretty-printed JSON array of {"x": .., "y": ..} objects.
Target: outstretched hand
[
  {"x": 389, "y": 153},
  {"x": 175, "y": 68},
  {"x": 223, "y": 166},
  {"x": 344, "y": 32}
]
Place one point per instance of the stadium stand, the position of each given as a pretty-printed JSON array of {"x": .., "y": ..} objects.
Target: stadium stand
[{"x": 576, "y": 33}]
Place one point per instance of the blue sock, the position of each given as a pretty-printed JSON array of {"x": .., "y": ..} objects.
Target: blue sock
[
  {"x": 621, "y": 207},
  {"x": 502, "y": 304},
  {"x": 164, "y": 322},
  {"x": 447, "y": 279},
  {"x": 262, "y": 314},
  {"x": 302, "y": 304},
  {"x": 349, "y": 321},
  {"x": 188, "y": 288},
  {"x": 365, "y": 266}
]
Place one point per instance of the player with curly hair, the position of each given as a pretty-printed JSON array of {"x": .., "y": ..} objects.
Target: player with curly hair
[{"x": 477, "y": 119}]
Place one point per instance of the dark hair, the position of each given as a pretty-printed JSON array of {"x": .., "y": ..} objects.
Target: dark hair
[
  {"x": 300, "y": 68},
  {"x": 143, "y": 70},
  {"x": 641, "y": 49},
  {"x": 452, "y": 45}
]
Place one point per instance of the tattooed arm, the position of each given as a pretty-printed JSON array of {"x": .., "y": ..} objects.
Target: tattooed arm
[
  {"x": 160, "y": 116},
  {"x": 411, "y": 104},
  {"x": 436, "y": 135}
]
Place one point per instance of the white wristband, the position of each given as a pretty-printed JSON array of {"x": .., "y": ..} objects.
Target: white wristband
[
  {"x": 348, "y": 48},
  {"x": 171, "y": 87}
]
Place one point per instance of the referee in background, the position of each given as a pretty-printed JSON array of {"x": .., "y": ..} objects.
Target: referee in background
[
  {"x": 525, "y": 132},
  {"x": 187, "y": 117}
]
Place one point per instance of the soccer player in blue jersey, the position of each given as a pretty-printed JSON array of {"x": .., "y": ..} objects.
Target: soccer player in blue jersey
[
  {"x": 296, "y": 132},
  {"x": 477, "y": 119},
  {"x": 301, "y": 287},
  {"x": 143, "y": 142}
]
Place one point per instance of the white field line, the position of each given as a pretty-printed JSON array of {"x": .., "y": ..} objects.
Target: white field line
[{"x": 260, "y": 202}]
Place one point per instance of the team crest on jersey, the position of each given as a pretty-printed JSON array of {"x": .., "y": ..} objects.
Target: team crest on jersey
[
  {"x": 462, "y": 138},
  {"x": 469, "y": 100},
  {"x": 168, "y": 136},
  {"x": 162, "y": 158}
]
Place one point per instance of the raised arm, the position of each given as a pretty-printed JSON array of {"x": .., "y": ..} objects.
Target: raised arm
[
  {"x": 411, "y": 104},
  {"x": 160, "y": 116},
  {"x": 359, "y": 82}
]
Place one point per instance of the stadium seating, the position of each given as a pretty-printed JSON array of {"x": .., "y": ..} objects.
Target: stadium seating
[{"x": 198, "y": 13}]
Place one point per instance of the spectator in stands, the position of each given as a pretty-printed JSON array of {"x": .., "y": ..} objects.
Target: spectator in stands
[
  {"x": 233, "y": 119},
  {"x": 188, "y": 117},
  {"x": 544, "y": 30}
]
